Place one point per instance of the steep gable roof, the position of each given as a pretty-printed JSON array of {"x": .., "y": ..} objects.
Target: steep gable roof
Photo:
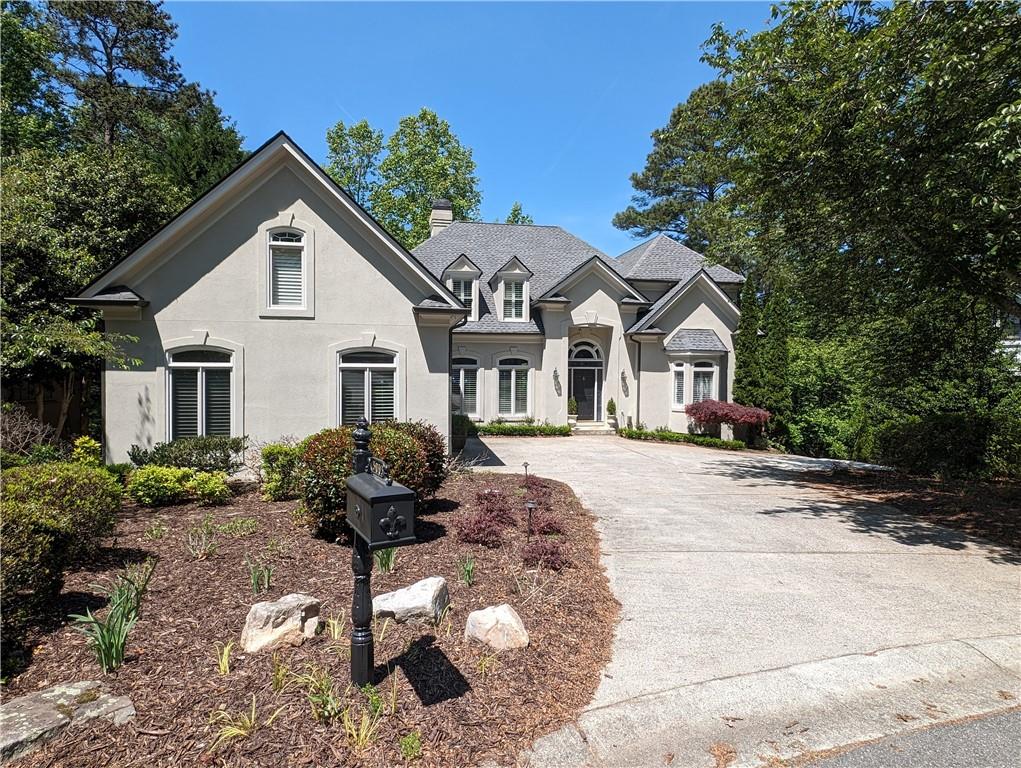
[
  {"x": 278, "y": 150},
  {"x": 668, "y": 299},
  {"x": 663, "y": 258},
  {"x": 595, "y": 264}
]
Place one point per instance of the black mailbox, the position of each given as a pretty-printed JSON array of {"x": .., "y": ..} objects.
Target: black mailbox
[{"x": 379, "y": 510}]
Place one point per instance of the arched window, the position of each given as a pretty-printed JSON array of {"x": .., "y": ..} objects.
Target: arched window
[
  {"x": 286, "y": 268},
  {"x": 585, "y": 354},
  {"x": 464, "y": 386},
  {"x": 368, "y": 386},
  {"x": 513, "y": 376},
  {"x": 703, "y": 382},
  {"x": 200, "y": 383}
]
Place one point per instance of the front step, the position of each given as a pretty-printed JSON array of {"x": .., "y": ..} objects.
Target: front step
[{"x": 593, "y": 428}]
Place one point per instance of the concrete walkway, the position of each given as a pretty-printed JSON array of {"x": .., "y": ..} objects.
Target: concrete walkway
[{"x": 762, "y": 618}]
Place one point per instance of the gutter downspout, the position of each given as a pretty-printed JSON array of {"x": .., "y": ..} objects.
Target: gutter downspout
[
  {"x": 638, "y": 386},
  {"x": 450, "y": 356}
]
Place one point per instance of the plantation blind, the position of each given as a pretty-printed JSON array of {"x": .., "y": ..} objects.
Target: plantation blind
[
  {"x": 352, "y": 395},
  {"x": 184, "y": 403},
  {"x": 679, "y": 387},
  {"x": 514, "y": 300},
  {"x": 703, "y": 386},
  {"x": 506, "y": 396},
  {"x": 382, "y": 395},
  {"x": 287, "y": 284},
  {"x": 469, "y": 390},
  {"x": 521, "y": 391},
  {"x": 217, "y": 405},
  {"x": 463, "y": 290}
]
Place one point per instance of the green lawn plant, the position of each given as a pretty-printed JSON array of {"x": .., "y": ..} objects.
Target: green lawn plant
[
  {"x": 107, "y": 637},
  {"x": 466, "y": 570},
  {"x": 386, "y": 559}
]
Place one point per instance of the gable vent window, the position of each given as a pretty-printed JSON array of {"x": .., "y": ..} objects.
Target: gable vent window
[
  {"x": 200, "y": 383},
  {"x": 463, "y": 290},
  {"x": 368, "y": 386},
  {"x": 513, "y": 376},
  {"x": 514, "y": 300},
  {"x": 287, "y": 269}
]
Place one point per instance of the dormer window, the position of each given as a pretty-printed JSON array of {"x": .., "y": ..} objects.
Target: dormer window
[
  {"x": 464, "y": 290},
  {"x": 287, "y": 269},
  {"x": 513, "y": 300}
]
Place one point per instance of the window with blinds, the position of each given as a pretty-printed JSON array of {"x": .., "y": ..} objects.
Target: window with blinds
[
  {"x": 368, "y": 386},
  {"x": 513, "y": 300},
  {"x": 463, "y": 290},
  {"x": 702, "y": 382},
  {"x": 464, "y": 379},
  {"x": 513, "y": 387},
  {"x": 286, "y": 269},
  {"x": 678, "y": 386},
  {"x": 200, "y": 395}
]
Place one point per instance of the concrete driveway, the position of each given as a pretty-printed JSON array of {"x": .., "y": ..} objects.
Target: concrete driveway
[{"x": 763, "y": 619}]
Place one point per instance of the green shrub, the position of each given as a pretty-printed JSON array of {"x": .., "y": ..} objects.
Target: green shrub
[
  {"x": 946, "y": 444},
  {"x": 43, "y": 453},
  {"x": 120, "y": 471},
  {"x": 157, "y": 486},
  {"x": 572, "y": 406},
  {"x": 412, "y": 452},
  {"x": 517, "y": 429},
  {"x": 33, "y": 550},
  {"x": 280, "y": 471},
  {"x": 205, "y": 454},
  {"x": 1003, "y": 451},
  {"x": 209, "y": 488},
  {"x": 611, "y": 408},
  {"x": 665, "y": 435},
  {"x": 464, "y": 426},
  {"x": 82, "y": 500},
  {"x": 87, "y": 451}
]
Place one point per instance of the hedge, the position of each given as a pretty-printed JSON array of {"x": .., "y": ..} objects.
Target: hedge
[
  {"x": 665, "y": 435},
  {"x": 213, "y": 453},
  {"x": 523, "y": 429},
  {"x": 82, "y": 500},
  {"x": 33, "y": 550},
  {"x": 280, "y": 471}
]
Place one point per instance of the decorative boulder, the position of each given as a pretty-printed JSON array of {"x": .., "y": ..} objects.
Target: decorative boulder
[
  {"x": 30, "y": 721},
  {"x": 287, "y": 621},
  {"x": 422, "y": 603},
  {"x": 498, "y": 626}
]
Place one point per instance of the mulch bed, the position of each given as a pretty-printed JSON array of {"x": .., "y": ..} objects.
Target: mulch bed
[
  {"x": 986, "y": 509},
  {"x": 468, "y": 705}
]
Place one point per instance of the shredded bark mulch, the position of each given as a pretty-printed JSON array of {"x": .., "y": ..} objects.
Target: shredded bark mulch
[
  {"x": 468, "y": 704},
  {"x": 987, "y": 509}
]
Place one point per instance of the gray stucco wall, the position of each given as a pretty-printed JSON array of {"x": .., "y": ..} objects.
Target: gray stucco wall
[{"x": 210, "y": 291}]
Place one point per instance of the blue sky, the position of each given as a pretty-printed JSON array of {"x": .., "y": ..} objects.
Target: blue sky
[{"x": 557, "y": 101}]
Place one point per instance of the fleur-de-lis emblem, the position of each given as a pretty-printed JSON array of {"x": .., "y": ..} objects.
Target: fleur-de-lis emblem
[{"x": 392, "y": 524}]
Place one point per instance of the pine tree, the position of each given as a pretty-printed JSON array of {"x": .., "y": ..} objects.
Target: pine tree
[
  {"x": 517, "y": 215},
  {"x": 775, "y": 359},
  {"x": 747, "y": 348}
]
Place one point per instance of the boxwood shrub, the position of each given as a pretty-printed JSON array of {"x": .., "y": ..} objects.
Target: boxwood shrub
[
  {"x": 280, "y": 471},
  {"x": 157, "y": 486},
  {"x": 524, "y": 429},
  {"x": 82, "y": 500},
  {"x": 665, "y": 435},
  {"x": 414, "y": 452},
  {"x": 205, "y": 454}
]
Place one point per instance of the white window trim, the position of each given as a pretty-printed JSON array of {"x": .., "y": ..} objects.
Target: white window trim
[
  {"x": 200, "y": 385},
  {"x": 524, "y": 298},
  {"x": 460, "y": 369},
  {"x": 688, "y": 367},
  {"x": 368, "y": 368},
  {"x": 516, "y": 371},
  {"x": 287, "y": 222},
  {"x": 471, "y": 277},
  {"x": 674, "y": 370}
]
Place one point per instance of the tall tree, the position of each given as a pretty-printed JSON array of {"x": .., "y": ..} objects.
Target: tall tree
[
  {"x": 686, "y": 187},
  {"x": 353, "y": 159},
  {"x": 775, "y": 358},
  {"x": 424, "y": 161},
  {"x": 30, "y": 114},
  {"x": 748, "y": 383},
  {"x": 114, "y": 60},
  {"x": 517, "y": 215}
]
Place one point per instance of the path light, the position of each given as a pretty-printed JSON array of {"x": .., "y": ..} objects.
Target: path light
[
  {"x": 525, "y": 465},
  {"x": 530, "y": 506}
]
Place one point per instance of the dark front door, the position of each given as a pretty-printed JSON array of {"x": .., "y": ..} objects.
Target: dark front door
[{"x": 585, "y": 393}]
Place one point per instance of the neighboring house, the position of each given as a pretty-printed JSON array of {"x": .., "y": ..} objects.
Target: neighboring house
[{"x": 274, "y": 305}]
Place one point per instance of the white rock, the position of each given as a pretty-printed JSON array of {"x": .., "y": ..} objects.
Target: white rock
[
  {"x": 498, "y": 626},
  {"x": 422, "y": 603},
  {"x": 287, "y": 621}
]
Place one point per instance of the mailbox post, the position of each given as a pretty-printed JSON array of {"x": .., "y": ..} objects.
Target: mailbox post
[{"x": 382, "y": 514}]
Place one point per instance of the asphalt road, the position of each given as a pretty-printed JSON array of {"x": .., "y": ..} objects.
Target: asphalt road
[{"x": 992, "y": 742}]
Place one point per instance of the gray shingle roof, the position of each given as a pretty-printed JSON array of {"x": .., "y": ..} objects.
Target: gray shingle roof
[
  {"x": 663, "y": 258},
  {"x": 550, "y": 253},
  {"x": 695, "y": 340}
]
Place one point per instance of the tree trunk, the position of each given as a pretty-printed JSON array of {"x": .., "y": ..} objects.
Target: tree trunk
[
  {"x": 67, "y": 393},
  {"x": 40, "y": 401}
]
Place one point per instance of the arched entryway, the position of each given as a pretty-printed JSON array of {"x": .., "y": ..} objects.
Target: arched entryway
[{"x": 585, "y": 380}]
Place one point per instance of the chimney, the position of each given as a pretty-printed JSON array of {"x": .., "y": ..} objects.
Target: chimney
[{"x": 442, "y": 216}]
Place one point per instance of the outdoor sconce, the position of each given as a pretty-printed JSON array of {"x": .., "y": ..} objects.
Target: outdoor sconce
[
  {"x": 382, "y": 514},
  {"x": 556, "y": 381}
]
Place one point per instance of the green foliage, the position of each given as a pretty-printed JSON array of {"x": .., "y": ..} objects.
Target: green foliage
[
  {"x": 424, "y": 161},
  {"x": 259, "y": 574},
  {"x": 665, "y": 435},
  {"x": 353, "y": 159},
  {"x": 572, "y": 406},
  {"x": 213, "y": 453},
  {"x": 120, "y": 472},
  {"x": 386, "y": 559},
  {"x": 775, "y": 359},
  {"x": 516, "y": 429},
  {"x": 239, "y": 527},
  {"x": 107, "y": 637},
  {"x": 87, "y": 451},
  {"x": 414, "y": 452},
  {"x": 157, "y": 486},
  {"x": 945, "y": 444},
  {"x": 411, "y": 745},
  {"x": 322, "y": 696},
  {"x": 209, "y": 488},
  {"x": 155, "y": 531},
  {"x": 611, "y": 408},
  {"x": 466, "y": 570},
  {"x": 82, "y": 500},
  {"x": 518, "y": 216},
  {"x": 280, "y": 471},
  {"x": 748, "y": 384},
  {"x": 1003, "y": 451},
  {"x": 201, "y": 539},
  {"x": 126, "y": 591},
  {"x": 463, "y": 425}
]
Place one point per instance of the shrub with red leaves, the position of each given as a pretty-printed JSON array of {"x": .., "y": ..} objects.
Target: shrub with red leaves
[
  {"x": 718, "y": 412},
  {"x": 494, "y": 504},
  {"x": 548, "y": 554},
  {"x": 547, "y": 523},
  {"x": 539, "y": 491},
  {"x": 479, "y": 528}
]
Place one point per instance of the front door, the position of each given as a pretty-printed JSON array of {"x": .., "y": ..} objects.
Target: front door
[{"x": 585, "y": 393}]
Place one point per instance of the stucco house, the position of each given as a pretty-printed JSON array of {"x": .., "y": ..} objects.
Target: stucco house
[{"x": 274, "y": 305}]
